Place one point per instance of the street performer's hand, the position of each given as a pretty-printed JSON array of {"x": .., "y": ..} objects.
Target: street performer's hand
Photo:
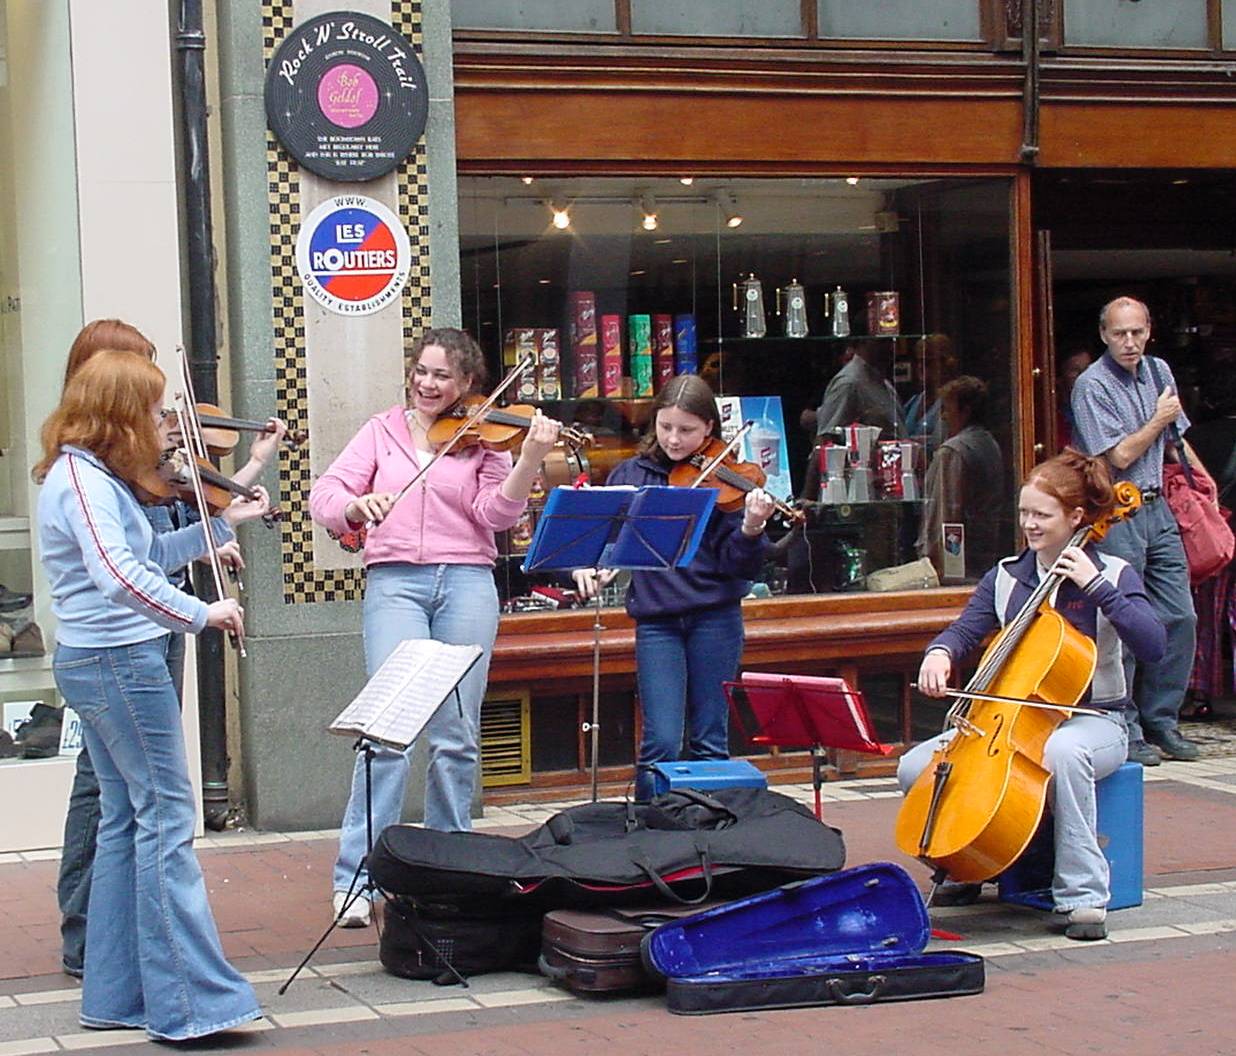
[
  {"x": 934, "y": 673},
  {"x": 1075, "y": 565},
  {"x": 373, "y": 506},
  {"x": 587, "y": 583}
]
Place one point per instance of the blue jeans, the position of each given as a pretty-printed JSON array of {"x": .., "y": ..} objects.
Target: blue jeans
[
  {"x": 153, "y": 957},
  {"x": 456, "y": 604},
  {"x": 81, "y": 827},
  {"x": 1150, "y": 542},
  {"x": 681, "y": 662},
  {"x": 1080, "y": 752}
]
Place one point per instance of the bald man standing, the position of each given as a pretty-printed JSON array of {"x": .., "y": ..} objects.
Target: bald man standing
[{"x": 1125, "y": 406}]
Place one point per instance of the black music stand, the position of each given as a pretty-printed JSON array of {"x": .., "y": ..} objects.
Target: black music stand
[
  {"x": 395, "y": 725},
  {"x": 651, "y": 528},
  {"x": 802, "y": 711}
]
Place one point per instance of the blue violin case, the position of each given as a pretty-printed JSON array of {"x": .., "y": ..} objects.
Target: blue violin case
[{"x": 851, "y": 938}]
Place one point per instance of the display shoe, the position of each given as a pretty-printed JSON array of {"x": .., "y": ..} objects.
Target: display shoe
[
  {"x": 11, "y": 600},
  {"x": 39, "y": 738},
  {"x": 6, "y": 639},
  {"x": 27, "y": 639},
  {"x": 951, "y": 893},
  {"x": 1085, "y": 924},
  {"x": 8, "y": 747},
  {"x": 1141, "y": 752},
  {"x": 357, "y": 915},
  {"x": 1174, "y": 746}
]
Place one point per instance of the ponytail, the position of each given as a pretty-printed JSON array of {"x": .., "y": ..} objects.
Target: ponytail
[{"x": 1076, "y": 481}]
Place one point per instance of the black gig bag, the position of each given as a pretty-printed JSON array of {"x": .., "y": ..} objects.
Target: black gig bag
[
  {"x": 683, "y": 846},
  {"x": 444, "y": 943},
  {"x": 856, "y": 937}
]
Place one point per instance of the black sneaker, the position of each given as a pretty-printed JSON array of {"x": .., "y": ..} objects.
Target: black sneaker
[
  {"x": 11, "y": 601},
  {"x": 1174, "y": 746},
  {"x": 952, "y": 893},
  {"x": 40, "y": 737},
  {"x": 1141, "y": 752}
]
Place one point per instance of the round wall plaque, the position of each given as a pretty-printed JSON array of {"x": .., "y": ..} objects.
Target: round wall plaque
[{"x": 347, "y": 96}]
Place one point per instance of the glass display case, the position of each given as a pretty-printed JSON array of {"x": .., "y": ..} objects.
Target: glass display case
[{"x": 862, "y": 326}]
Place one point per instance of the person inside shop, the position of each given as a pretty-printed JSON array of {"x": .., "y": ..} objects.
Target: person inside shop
[
  {"x": 1123, "y": 406},
  {"x": 861, "y": 393},
  {"x": 935, "y": 363},
  {"x": 81, "y": 822},
  {"x": 1214, "y": 599},
  {"x": 958, "y": 486},
  {"x": 1069, "y": 367},
  {"x": 1103, "y": 597},
  {"x": 153, "y": 957},
  {"x": 688, "y": 621},
  {"x": 429, "y": 574}
]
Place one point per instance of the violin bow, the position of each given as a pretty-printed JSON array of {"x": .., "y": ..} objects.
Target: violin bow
[
  {"x": 191, "y": 431},
  {"x": 467, "y": 423}
]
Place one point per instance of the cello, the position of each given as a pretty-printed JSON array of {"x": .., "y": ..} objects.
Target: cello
[{"x": 977, "y": 805}]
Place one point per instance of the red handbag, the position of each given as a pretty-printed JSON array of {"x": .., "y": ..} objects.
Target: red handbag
[{"x": 1190, "y": 492}]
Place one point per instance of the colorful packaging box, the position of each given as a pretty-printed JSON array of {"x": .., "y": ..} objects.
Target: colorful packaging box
[
  {"x": 582, "y": 332},
  {"x": 548, "y": 365},
  {"x": 611, "y": 355},
  {"x": 639, "y": 342},
  {"x": 524, "y": 344},
  {"x": 685, "y": 361},
  {"x": 662, "y": 350}
]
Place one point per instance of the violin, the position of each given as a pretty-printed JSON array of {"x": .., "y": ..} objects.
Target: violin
[
  {"x": 973, "y": 811},
  {"x": 221, "y": 432},
  {"x": 715, "y": 466},
  {"x": 496, "y": 429},
  {"x": 170, "y": 480}
]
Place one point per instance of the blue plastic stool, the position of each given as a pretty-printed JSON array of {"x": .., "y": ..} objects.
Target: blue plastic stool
[
  {"x": 705, "y": 775},
  {"x": 1027, "y": 881}
]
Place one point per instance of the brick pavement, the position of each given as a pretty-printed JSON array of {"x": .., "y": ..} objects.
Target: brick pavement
[{"x": 1160, "y": 985}]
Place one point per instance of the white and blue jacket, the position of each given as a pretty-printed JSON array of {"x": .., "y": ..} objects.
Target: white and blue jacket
[
  {"x": 107, "y": 568},
  {"x": 1114, "y": 612}
]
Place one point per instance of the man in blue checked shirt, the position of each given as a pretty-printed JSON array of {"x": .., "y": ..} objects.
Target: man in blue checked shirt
[{"x": 1124, "y": 404}]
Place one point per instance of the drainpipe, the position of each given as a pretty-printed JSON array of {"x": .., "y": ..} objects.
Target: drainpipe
[
  {"x": 1030, "y": 88},
  {"x": 203, "y": 341}
]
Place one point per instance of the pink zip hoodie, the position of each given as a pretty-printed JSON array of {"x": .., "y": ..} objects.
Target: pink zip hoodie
[{"x": 449, "y": 517}]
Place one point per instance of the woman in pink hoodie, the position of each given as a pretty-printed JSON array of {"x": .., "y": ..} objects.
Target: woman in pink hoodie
[{"x": 429, "y": 570}]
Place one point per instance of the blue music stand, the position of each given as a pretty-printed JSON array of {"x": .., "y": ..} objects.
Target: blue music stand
[{"x": 650, "y": 528}]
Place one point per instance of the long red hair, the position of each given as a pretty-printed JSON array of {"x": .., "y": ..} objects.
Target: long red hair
[
  {"x": 105, "y": 408},
  {"x": 95, "y": 336}
]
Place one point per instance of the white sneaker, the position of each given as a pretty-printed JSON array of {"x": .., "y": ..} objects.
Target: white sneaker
[{"x": 357, "y": 915}]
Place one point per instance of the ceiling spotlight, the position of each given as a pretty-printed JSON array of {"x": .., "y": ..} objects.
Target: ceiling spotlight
[
  {"x": 729, "y": 208},
  {"x": 648, "y": 206},
  {"x": 560, "y": 214},
  {"x": 527, "y": 180},
  {"x": 686, "y": 181},
  {"x": 852, "y": 181}
]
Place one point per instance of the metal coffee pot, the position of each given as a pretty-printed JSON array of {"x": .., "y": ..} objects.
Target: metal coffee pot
[
  {"x": 837, "y": 304},
  {"x": 795, "y": 308},
  {"x": 751, "y": 307}
]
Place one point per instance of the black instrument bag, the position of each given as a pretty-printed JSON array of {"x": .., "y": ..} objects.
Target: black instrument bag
[{"x": 856, "y": 937}]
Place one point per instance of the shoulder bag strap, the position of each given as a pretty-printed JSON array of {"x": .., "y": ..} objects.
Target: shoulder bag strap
[{"x": 1172, "y": 436}]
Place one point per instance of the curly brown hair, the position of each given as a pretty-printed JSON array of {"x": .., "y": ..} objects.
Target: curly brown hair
[
  {"x": 105, "y": 408},
  {"x": 462, "y": 352}
]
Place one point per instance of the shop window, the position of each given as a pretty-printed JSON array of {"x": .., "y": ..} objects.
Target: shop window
[
  {"x": 1229, "y": 25},
  {"x": 900, "y": 20},
  {"x": 862, "y": 326},
  {"x": 720, "y": 18},
  {"x": 1129, "y": 23},
  {"x": 573, "y": 16}
]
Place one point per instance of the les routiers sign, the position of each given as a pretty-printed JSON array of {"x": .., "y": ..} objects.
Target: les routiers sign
[{"x": 346, "y": 96}]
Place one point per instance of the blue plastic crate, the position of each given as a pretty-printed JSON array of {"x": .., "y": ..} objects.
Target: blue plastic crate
[
  {"x": 1028, "y": 881},
  {"x": 706, "y": 774}
]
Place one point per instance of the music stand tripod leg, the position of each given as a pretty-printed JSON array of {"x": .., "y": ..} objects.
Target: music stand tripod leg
[
  {"x": 817, "y": 781},
  {"x": 367, "y": 887},
  {"x": 594, "y": 726}
]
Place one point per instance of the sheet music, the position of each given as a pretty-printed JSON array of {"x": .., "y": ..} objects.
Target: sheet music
[{"x": 405, "y": 691}]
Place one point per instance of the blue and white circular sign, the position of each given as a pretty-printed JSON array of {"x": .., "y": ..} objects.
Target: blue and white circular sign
[{"x": 353, "y": 255}]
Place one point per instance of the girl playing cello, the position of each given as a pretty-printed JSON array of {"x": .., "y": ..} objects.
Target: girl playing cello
[
  {"x": 688, "y": 621},
  {"x": 1104, "y": 599}
]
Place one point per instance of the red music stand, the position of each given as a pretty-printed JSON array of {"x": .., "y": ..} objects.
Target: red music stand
[{"x": 802, "y": 711}]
